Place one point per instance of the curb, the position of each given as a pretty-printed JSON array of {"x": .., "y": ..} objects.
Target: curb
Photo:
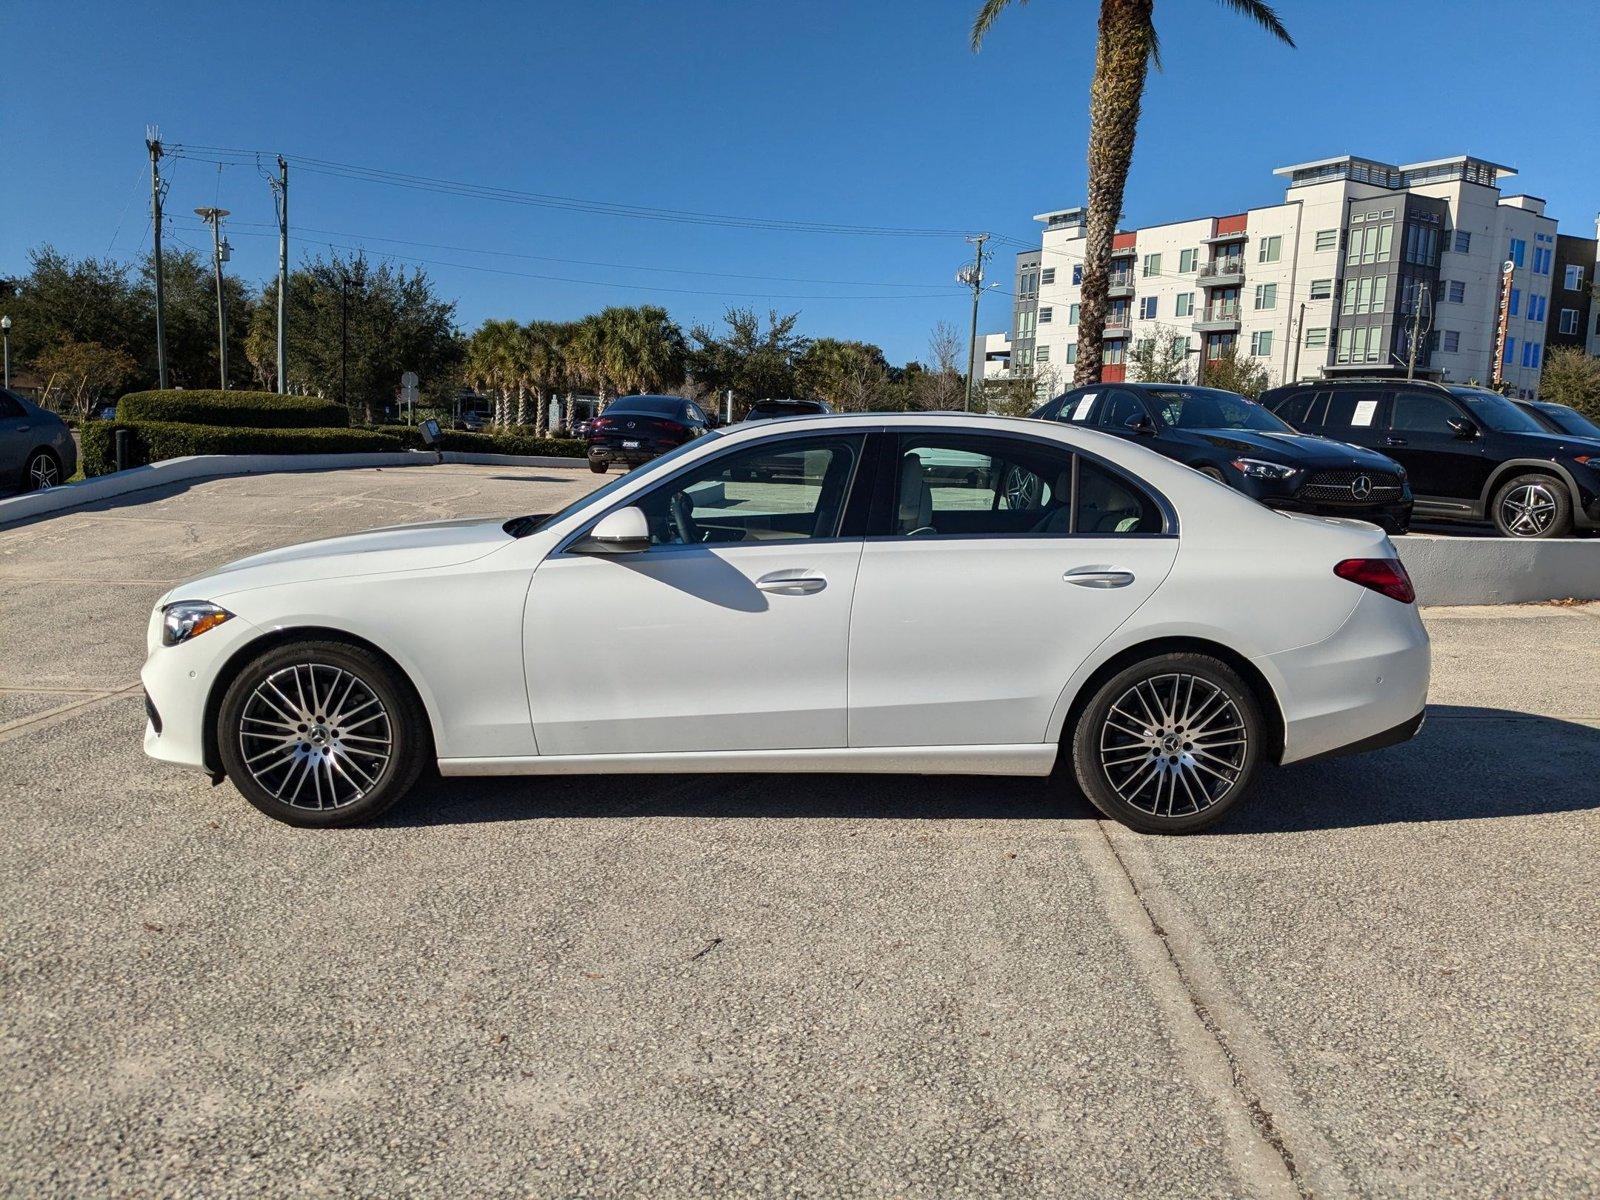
[
  {"x": 222, "y": 466},
  {"x": 1494, "y": 570}
]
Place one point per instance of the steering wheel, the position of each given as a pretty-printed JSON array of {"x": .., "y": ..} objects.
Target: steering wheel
[{"x": 681, "y": 513}]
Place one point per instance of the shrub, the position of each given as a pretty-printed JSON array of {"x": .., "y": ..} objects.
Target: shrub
[
  {"x": 154, "y": 441},
  {"x": 238, "y": 410},
  {"x": 513, "y": 441}
]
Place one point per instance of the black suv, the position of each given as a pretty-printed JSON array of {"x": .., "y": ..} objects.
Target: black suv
[
  {"x": 1472, "y": 454},
  {"x": 1238, "y": 442},
  {"x": 1559, "y": 418}
]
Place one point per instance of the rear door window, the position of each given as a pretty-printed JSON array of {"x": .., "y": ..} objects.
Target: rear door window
[{"x": 1356, "y": 412}]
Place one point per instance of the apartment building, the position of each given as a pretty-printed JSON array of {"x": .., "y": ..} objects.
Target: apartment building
[
  {"x": 1332, "y": 281},
  {"x": 1574, "y": 310},
  {"x": 1024, "y": 312}
]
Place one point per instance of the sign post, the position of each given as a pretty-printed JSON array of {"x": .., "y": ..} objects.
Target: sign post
[{"x": 408, "y": 396}]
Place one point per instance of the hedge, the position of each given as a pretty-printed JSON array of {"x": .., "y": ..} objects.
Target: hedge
[
  {"x": 154, "y": 441},
  {"x": 511, "y": 442},
  {"x": 237, "y": 410}
]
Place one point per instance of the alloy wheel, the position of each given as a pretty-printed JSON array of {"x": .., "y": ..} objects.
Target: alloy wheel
[
  {"x": 315, "y": 736},
  {"x": 43, "y": 473},
  {"x": 1528, "y": 511},
  {"x": 1173, "y": 745}
]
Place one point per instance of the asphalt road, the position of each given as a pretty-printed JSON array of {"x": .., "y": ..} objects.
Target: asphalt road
[{"x": 1378, "y": 978}]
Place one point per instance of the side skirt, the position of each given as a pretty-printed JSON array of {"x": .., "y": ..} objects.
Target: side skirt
[{"x": 1035, "y": 758}]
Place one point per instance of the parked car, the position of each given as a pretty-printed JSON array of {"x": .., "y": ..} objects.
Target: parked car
[
  {"x": 766, "y": 410},
  {"x": 1238, "y": 442},
  {"x": 1160, "y": 634},
  {"x": 1472, "y": 454},
  {"x": 1559, "y": 418},
  {"x": 635, "y": 429},
  {"x": 37, "y": 450}
]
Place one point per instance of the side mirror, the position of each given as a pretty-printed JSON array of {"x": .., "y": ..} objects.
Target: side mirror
[
  {"x": 1143, "y": 426},
  {"x": 625, "y": 531},
  {"x": 1465, "y": 430}
]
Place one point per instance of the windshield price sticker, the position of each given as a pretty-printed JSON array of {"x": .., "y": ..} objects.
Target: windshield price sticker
[
  {"x": 1084, "y": 405},
  {"x": 1364, "y": 412}
]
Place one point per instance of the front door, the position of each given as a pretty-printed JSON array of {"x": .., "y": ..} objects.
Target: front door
[
  {"x": 986, "y": 587},
  {"x": 16, "y": 439},
  {"x": 729, "y": 633},
  {"x": 1440, "y": 461}
]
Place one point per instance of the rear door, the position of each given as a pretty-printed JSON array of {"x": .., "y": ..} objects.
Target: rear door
[
  {"x": 997, "y": 563},
  {"x": 1355, "y": 415}
]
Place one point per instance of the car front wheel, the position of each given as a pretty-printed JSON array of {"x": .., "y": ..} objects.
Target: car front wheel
[
  {"x": 1533, "y": 506},
  {"x": 1169, "y": 744},
  {"x": 321, "y": 733}
]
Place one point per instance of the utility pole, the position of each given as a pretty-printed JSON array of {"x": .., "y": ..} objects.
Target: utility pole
[
  {"x": 158, "y": 193},
  {"x": 973, "y": 277},
  {"x": 220, "y": 251},
  {"x": 1299, "y": 336},
  {"x": 344, "y": 338},
  {"x": 1418, "y": 302},
  {"x": 280, "y": 196}
]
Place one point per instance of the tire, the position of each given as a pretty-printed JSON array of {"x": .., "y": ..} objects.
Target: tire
[
  {"x": 42, "y": 472},
  {"x": 1157, "y": 784},
  {"x": 1532, "y": 506},
  {"x": 274, "y": 702},
  {"x": 599, "y": 468}
]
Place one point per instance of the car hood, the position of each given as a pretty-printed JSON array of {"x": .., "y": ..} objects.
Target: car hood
[
  {"x": 1557, "y": 444},
  {"x": 377, "y": 551},
  {"x": 1294, "y": 449}
]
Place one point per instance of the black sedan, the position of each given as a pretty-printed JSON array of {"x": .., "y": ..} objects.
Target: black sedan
[
  {"x": 1236, "y": 441},
  {"x": 635, "y": 429}
]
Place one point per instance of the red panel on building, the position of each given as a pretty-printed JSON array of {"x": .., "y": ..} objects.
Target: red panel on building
[
  {"x": 1114, "y": 373},
  {"x": 1234, "y": 224},
  {"x": 1126, "y": 241}
]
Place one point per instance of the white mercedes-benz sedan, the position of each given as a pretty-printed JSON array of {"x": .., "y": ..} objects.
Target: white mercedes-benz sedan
[{"x": 932, "y": 593}]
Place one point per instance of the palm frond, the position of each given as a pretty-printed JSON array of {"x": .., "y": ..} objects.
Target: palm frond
[
  {"x": 987, "y": 15},
  {"x": 1262, "y": 14}
]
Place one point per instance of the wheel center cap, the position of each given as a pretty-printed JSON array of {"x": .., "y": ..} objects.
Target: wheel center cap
[
  {"x": 319, "y": 735},
  {"x": 1171, "y": 744}
]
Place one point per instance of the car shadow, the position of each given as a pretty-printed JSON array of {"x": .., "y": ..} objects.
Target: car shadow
[{"x": 1466, "y": 764}]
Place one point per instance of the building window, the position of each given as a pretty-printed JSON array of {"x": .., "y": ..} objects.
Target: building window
[
  {"x": 1042, "y": 354},
  {"x": 1455, "y": 291},
  {"x": 1271, "y": 249},
  {"x": 1115, "y": 355},
  {"x": 1450, "y": 340},
  {"x": 1532, "y": 354},
  {"x": 1025, "y": 324},
  {"x": 1048, "y": 275},
  {"x": 1321, "y": 289},
  {"x": 1022, "y": 357},
  {"x": 1463, "y": 243},
  {"x": 1515, "y": 308},
  {"x": 1538, "y": 307},
  {"x": 1261, "y": 343},
  {"x": 1327, "y": 239},
  {"x": 1368, "y": 295},
  {"x": 1147, "y": 308},
  {"x": 1519, "y": 251},
  {"x": 1077, "y": 274},
  {"x": 1266, "y": 295},
  {"x": 1072, "y": 314},
  {"x": 1185, "y": 304},
  {"x": 1072, "y": 353},
  {"x": 1569, "y": 320},
  {"x": 1187, "y": 260},
  {"x": 1316, "y": 337},
  {"x": 1152, "y": 265},
  {"x": 1046, "y": 314},
  {"x": 1028, "y": 282},
  {"x": 1573, "y": 281},
  {"x": 1542, "y": 260},
  {"x": 1511, "y": 351}
]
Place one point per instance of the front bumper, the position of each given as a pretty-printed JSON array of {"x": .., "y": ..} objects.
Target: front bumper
[
  {"x": 178, "y": 681},
  {"x": 1391, "y": 514}
]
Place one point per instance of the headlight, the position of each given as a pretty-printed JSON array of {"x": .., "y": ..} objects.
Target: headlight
[
  {"x": 1254, "y": 468},
  {"x": 189, "y": 619}
]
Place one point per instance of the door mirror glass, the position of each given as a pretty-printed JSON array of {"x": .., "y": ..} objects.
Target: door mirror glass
[
  {"x": 622, "y": 532},
  {"x": 1464, "y": 429}
]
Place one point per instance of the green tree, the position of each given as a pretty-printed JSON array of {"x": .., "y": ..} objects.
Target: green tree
[
  {"x": 1235, "y": 372},
  {"x": 1572, "y": 377},
  {"x": 851, "y": 376},
  {"x": 1126, "y": 47},
  {"x": 79, "y": 375},
  {"x": 89, "y": 300},
  {"x": 752, "y": 359},
  {"x": 645, "y": 350},
  {"x": 1161, "y": 358},
  {"x": 190, "y": 323}
]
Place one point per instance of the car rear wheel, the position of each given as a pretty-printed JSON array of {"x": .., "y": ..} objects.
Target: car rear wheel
[
  {"x": 1533, "y": 506},
  {"x": 43, "y": 471},
  {"x": 321, "y": 733},
  {"x": 1170, "y": 744}
]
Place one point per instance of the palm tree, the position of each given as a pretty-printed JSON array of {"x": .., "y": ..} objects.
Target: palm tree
[
  {"x": 647, "y": 351},
  {"x": 590, "y": 355},
  {"x": 1123, "y": 54}
]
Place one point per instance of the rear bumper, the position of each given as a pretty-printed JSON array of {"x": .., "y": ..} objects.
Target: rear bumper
[{"x": 617, "y": 454}]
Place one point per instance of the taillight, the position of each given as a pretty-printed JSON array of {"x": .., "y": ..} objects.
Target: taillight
[{"x": 1386, "y": 575}]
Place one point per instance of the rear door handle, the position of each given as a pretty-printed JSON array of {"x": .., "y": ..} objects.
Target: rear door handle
[
  {"x": 1394, "y": 441},
  {"x": 780, "y": 583},
  {"x": 1099, "y": 577}
]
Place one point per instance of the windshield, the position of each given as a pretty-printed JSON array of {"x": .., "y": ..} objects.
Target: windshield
[
  {"x": 1209, "y": 408},
  {"x": 523, "y": 526},
  {"x": 654, "y": 406},
  {"x": 1495, "y": 411},
  {"x": 1571, "y": 420}
]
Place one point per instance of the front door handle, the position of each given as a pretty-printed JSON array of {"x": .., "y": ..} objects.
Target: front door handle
[
  {"x": 1099, "y": 577},
  {"x": 780, "y": 584},
  {"x": 1394, "y": 441}
]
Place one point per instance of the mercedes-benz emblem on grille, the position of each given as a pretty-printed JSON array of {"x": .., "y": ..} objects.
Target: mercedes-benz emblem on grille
[
  {"x": 1361, "y": 487},
  {"x": 631, "y": 425}
]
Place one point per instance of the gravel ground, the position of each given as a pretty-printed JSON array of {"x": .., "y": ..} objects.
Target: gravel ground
[{"x": 1378, "y": 978}]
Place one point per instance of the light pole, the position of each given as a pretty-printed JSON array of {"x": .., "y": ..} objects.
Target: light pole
[
  {"x": 5, "y": 331},
  {"x": 221, "y": 253}
]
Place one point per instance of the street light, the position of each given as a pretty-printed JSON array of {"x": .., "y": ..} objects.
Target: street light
[
  {"x": 5, "y": 331},
  {"x": 221, "y": 253}
]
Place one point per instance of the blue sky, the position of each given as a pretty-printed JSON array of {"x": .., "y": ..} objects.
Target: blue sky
[{"x": 861, "y": 113}]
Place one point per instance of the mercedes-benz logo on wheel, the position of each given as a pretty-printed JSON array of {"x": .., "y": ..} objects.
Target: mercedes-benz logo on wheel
[{"x": 1361, "y": 487}]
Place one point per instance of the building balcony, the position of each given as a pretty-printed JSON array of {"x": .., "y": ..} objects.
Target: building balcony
[
  {"x": 1222, "y": 272},
  {"x": 1119, "y": 286},
  {"x": 1217, "y": 318},
  {"x": 1219, "y": 239},
  {"x": 1117, "y": 326}
]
